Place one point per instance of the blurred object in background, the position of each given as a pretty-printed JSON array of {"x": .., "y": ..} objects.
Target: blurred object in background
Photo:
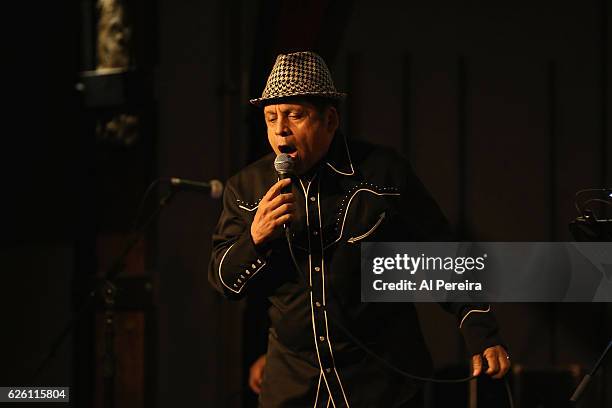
[
  {"x": 115, "y": 50},
  {"x": 120, "y": 130},
  {"x": 594, "y": 221},
  {"x": 114, "y": 35}
]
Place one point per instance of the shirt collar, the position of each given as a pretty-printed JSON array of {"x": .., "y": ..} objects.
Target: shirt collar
[{"x": 338, "y": 157}]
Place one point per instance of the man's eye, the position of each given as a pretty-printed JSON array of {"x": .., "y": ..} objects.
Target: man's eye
[
  {"x": 271, "y": 119},
  {"x": 295, "y": 116}
]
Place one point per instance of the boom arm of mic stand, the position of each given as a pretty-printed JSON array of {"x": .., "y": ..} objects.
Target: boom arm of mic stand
[
  {"x": 109, "y": 277},
  {"x": 587, "y": 378}
]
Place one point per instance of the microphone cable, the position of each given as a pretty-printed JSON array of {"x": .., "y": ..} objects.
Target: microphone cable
[
  {"x": 382, "y": 360},
  {"x": 143, "y": 200}
]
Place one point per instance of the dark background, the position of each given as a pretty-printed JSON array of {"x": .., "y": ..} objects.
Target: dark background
[{"x": 503, "y": 108}]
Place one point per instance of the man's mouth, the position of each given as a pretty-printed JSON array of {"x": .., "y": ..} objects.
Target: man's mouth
[{"x": 290, "y": 150}]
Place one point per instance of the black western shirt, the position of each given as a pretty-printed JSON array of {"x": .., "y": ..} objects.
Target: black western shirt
[{"x": 357, "y": 192}]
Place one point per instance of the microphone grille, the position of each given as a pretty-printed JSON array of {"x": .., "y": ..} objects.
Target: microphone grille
[{"x": 283, "y": 163}]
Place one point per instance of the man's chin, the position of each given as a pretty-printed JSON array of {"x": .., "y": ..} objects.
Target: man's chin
[
  {"x": 300, "y": 169},
  {"x": 297, "y": 170},
  {"x": 298, "y": 165}
]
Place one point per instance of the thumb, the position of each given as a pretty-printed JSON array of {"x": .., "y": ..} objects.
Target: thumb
[{"x": 476, "y": 364}]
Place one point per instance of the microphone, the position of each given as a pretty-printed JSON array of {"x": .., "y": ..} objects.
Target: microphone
[
  {"x": 215, "y": 187},
  {"x": 283, "y": 164}
]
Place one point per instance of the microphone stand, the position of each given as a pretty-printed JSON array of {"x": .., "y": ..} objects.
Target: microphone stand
[
  {"x": 588, "y": 228},
  {"x": 110, "y": 291},
  {"x": 587, "y": 378}
]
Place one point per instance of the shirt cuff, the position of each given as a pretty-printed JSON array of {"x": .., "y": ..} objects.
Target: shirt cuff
[
  {"x": 480, "y": 330},
  {"x": 240, "y": 263}
]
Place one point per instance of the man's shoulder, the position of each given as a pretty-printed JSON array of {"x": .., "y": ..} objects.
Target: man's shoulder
[
  {"x": 376, "y": 157},
  {"x": 262, "y": 165},
  {"x": 253, "y": 180}
]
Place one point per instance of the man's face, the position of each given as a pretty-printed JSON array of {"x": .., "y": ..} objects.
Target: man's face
[{"x": 298, "y": 129}]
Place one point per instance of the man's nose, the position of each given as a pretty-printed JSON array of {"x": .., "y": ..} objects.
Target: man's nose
[{"x": 281, "y": 128}]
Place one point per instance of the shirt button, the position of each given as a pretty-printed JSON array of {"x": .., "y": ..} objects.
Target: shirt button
[
  {"x": 317, "y": 269},
  {"x": 328, "y": 370},
  {"x": 312, "y": 198},
  {"x": 322, "y": 338},
  {"x": 318, "y": 304},
  {"x": 315, "y": 232}
]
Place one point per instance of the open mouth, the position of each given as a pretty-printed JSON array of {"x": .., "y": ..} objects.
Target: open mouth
[{"x": 287, "y": 149}]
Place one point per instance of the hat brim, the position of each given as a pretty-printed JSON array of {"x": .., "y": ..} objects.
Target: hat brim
[{"x": 259, "y": 102}]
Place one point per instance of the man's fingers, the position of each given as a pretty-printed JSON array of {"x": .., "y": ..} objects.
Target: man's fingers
[
  {"x": 492, "y": 361},
  {"x": 498, "y": 361},
  {"x": 255, "y": 379},
  {"x": 284, "y": 219},
  {"x": 256, "y": 374},
  {"x": 476, "y": 364},
  {"x": 504, "y": 365},
  {"x": 267, "y": 221},
  {"x": 254, "y": 385},
  {"x": 281, "y": 199},
  {"x": 276, "y": 188},
  {"x": 286, "y": 208}
]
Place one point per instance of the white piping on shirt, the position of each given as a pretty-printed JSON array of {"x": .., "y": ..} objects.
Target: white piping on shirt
[
  {"x": 348, "y": 154},
  {"x": 314, "y": 335},
  {"x": 348, "y": 205},
  {"x": 474, "y": 311},
  {"x": 331, "y": 352},
  {"x": 318, "y": 389},
  {"x": 221, "y": 276},
  {"x": 249, "y": 209},
  {"x": 369, "y": 232},
  {"x": 247, "y": 205},
  {"x": 341, "y": 172},
  {"x": 314, "y": 329},
  {"x": 221, "y": 264},
  {"x": 306, "y": 190}
]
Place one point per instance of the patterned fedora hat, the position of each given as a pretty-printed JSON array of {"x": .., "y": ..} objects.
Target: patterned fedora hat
[{"x": 298, "y": 74}]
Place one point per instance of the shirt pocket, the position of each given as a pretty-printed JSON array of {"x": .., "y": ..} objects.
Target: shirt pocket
[{"x": 369, "y": 232}]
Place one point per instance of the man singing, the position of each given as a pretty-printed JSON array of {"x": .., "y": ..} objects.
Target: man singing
[{"x": 343, "y": 191}]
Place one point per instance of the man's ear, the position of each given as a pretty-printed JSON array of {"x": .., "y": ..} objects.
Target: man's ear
[{"x": 332, "y": 119}]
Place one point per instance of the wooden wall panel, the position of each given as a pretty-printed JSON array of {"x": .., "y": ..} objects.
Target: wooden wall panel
[
  {"x": 507, "y": 150},
  {"x": 199, "y": 333},
  {"x": 434, "y": 149},
  {"x": 130, "y": 349},
  {"x": 579, "y": 133}
]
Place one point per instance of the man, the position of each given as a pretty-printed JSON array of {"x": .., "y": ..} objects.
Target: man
[{"x": 344, "y": 192}]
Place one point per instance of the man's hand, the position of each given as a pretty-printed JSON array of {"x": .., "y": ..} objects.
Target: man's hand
[
  {"x": 275, "y": 209},
  {"x": 256, "y": 374},
  {"x": 497, "y": 360}
]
